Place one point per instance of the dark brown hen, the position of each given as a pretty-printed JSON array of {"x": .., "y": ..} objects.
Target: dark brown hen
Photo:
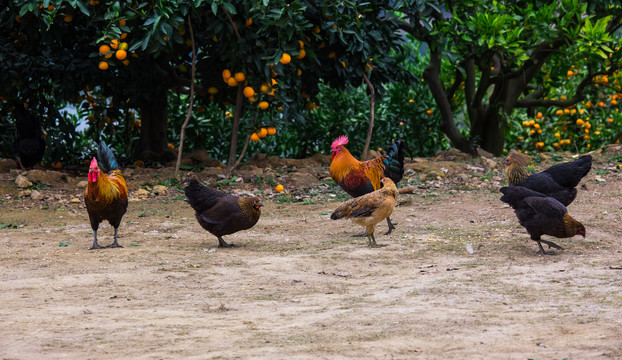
[
  {"x": 541, "y": 215},
  {"x": 222, "y": 214}
]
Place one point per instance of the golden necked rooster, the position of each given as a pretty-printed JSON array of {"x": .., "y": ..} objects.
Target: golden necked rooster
[
  {"x": 358, "y": 178},
  {"x": 106, "y": 193}
]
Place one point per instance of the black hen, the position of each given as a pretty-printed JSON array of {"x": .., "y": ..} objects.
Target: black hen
[
  {"x": 541, "y": 215},
  {"x": 558, "y": 181},
  {"x": 569, "y": 174},
  {"x": 222, "y": 214},
  {"x": 29, "y": 142}
]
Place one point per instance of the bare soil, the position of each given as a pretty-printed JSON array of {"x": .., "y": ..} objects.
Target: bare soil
[{"x": 298, "y": 285}]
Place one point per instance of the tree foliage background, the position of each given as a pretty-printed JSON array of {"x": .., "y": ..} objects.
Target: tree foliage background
[{"x": 470, "y": 73}]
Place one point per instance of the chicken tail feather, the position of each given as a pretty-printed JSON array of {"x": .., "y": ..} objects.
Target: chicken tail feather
[{"x": 107, "y": 161}]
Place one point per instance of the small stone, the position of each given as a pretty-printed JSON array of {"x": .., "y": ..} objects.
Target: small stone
[
  {"x": 22, "y": 181},
  {"x": 159, "y": 189},
  {"x": 35, "y": 195},
  {"x": 142, "y": 193},
  {"x": 83, "y": 183},
  {"x": 75, "y": 201}
]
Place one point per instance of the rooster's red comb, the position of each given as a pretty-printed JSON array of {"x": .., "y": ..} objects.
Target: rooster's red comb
[{"x": 341, "y": 140}]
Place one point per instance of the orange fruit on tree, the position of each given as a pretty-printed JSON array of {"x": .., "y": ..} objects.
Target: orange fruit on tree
[
  {"x": 122, "y": 22},
  {"x": 331, "y": 54},
  {"x": 104, "y": 49},
  {"x": 114, "y": 44},
  {"x": 232, "y": 82},
  {"x": 279, "y": 188},
  {"x": 68, "y": 18},
  {"x": 264, "y": 88},
  {"x": 429, "y": 111},
  {"x": 301, "y": 54},
  {"x": 103, "y": 65},
  {"x": 262, "y": 133},
  {"x": 271, "y": 130},
  {"x": 255, "y": 137},
  {"x": 249, "y": 22},
  {"x": 226, "y": 74},
  {"x": 123, "y": 46},
  {"x": 239, "y": 77},
  {"x": 121, "y": 54},
  {"x": 57, "y": 165},
  {"x": 302, "y": 45},
  {"x": 285, "y": 59},
  {"x": 126, "y": 62},
  {"x": 123, "y": 36},
  {"x": 263, "y": 105},
  {"x": 212, "y": 90},
  {"x": 249, "y": 92},
  {"x": 539, "y": 115}
]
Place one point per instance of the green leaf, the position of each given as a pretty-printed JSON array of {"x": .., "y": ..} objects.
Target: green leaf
[
  {"x": 230, "y": 8},
  {"x": 134, "y": 244},
  {"x": 83, "y": 8},
  {"x": 63, "y": 244},
  {"x": 215, "y": 8}
]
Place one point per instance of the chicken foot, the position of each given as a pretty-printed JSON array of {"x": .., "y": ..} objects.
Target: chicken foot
[
  {"x": 391, "y": 225},
  {"x": 115, "y": 243},
  {"x": 550, "y": 244},
  {"x": 95, "y": 244},
  {"x": 223, "y": 243}
]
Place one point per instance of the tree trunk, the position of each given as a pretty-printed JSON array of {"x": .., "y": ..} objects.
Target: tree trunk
[
  {"x": 448, "y": 125},
  {"x": 153, "y": 144},
  {"x": 489, "y": 130}
]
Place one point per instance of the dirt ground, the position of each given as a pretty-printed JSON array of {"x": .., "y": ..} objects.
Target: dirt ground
[{"x": 458, "y": 279}]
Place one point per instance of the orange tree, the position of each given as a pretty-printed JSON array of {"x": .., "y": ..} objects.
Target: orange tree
[
  {"x": 488, "y": 59},
  {"x": 120, "y": 61}
]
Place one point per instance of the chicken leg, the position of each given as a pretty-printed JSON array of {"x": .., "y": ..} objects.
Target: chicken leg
[
  {"x": 115, "y": 243},
  {"x": 550, "y": 244},
  {"x": 391, "y": 225},
  {"x": 95, "y": 244},
  {"x": 223, "y": 243}
]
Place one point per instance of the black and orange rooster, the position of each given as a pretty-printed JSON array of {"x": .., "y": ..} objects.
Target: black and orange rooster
[
  {"x": 541, "y": 215},
  {"x": 362, "y": 177},
  {"x": 558, "y": 181},
  {"x": 222, "y": 214},
  {"x": 106, "y": 193},
  {"x": 369, "y": 209}
]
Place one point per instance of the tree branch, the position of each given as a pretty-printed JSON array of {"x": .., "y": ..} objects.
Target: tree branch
[
  {"x": 192, "y": 75},
  {"x": 577, "y": 97},
  {"x": 372, "y": 101},
  {"x": 237, "y": 163},
  {"x": 235, "y": 27}
]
